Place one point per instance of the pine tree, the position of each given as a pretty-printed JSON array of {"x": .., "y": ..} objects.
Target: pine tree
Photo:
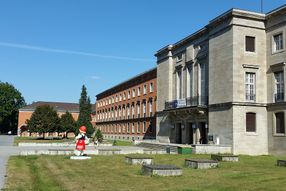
[
  {"x": 44, "y": 119},
  {"x": 85, "y": 112},
  {"x": 67, "y": 123}
]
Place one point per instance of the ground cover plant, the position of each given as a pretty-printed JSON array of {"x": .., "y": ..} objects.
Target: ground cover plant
[{"x": 112, "y": 173}]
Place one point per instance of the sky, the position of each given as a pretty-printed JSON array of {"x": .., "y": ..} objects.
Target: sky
[{"x": 50, "y": 48}]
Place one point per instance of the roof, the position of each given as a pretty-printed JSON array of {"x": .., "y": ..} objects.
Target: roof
[
  {"x": 58, "y": 106},
  {"x": 127, "y": 81}
]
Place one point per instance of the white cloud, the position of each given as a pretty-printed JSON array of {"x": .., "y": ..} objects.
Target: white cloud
[
  {"x": 63, "y": 51},
  {"x": 95, "y": 77}
]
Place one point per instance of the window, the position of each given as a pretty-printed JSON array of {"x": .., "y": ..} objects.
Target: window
[
  {"x": 190, "y": 82},
  {"x": 128, "y": 111},
  {"x": 144, "y": 109},
  {"x": 250, "y": 122},
  {"x": 250, "y": 86},
  {"x": 133, "y": 130},
  {"x": 138, "y": 91},
  {"x": 179, "y": 57},
  {"x": 144, "y": 127},
  {"x": 279, "y": 86},
  {"x": 179, "y": 84},
  {"x": 138, "y": 110},
  {"x": 138, "y": 127},
  {"x": 203, "y": 83},
  {"x": 151, "y": 87},
  {"x": 280, "y": 126},
  {"x": 128, "y": 128},
  {"x": 116, "y": 99},
  {"x": 277, "y": 42},
  {"x": 123, "y": 111},
  {"x": 250, "y": 44},
  {"x": 144, "y": 89},
  {"x": 128, "y": 96},
  {"x": 150, "y": 108},
  {"x": 133, "y": 93},
  {"x": 132, "y": 111},
  {"x": 124, "y": 96}
]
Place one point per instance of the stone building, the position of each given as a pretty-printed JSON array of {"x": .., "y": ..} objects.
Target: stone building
[
  {"x": 127, "y": 110},
  {"x": 224, "y": 84}
]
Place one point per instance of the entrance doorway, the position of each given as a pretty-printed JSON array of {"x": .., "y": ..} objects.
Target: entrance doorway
[
  {"x": 203, "y": 132},
  {"x": 178, "y": 130},
  {"x": 190, "y": 134}
]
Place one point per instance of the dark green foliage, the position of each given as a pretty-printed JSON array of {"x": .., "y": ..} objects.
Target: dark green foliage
[
  {"x": 85, "y": 112},
  {"x": 11, "y": 101},
  {"x": 67, "y": 123},
  {"x": 44, "y": 119},
  {"x": 99, "y": 136}
]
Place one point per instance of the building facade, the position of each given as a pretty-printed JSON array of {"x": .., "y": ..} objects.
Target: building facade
[
  {"x": 26, "y": 112},
  {"x": 224, "y": 84},
  {"x": 127, "y": 110}
]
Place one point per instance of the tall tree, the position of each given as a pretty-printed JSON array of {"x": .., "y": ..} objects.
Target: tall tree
[
  {"x": 11, "y": 101},
  {"x": 44, "y": 120},
  {"x": 84, "y": 117},
  {"x": 67, "y": 123}
]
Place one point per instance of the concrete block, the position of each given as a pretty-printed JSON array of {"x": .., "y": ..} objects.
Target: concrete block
[
  {"x": 201, "y": 163},
  {"x": 161, "y": 170}
]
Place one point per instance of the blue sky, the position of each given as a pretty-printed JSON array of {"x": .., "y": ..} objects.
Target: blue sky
[{"x": 50, "y": 48}]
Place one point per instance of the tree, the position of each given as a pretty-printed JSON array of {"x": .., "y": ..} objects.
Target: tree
[
  {"x": 99, "y": 136},
  {"x": 44, "y": 120},
  {"x": 11, "y": 101},
  {"x": 84, "y": 117},
  {"x": 67, "y": 123}
]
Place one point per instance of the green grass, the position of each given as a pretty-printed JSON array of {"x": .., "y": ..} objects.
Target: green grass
[
  {"x": 18, "y": 140},
  {"x": 104, "y": 173}
]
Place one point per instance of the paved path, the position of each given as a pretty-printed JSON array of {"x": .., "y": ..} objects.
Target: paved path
[{"x": 5, "y": 142}]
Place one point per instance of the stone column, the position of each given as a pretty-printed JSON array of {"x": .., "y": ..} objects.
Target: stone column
[
  {"x": 198, "y": 134},
  {"x": 194, "y": 126}
]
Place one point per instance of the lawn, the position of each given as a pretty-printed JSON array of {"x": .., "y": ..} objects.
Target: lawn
[
  {"x": 39, "y": 140},
  {"x": 104, "y": 173}
]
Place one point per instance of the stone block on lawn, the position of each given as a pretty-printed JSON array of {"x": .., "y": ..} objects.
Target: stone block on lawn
[
  {"x": 281, "y": 163},
  {"x": 161, "y": 170},
  {"x": 226, "y": 157},
  {"x": 138, "y": 160},
  {"x": 80, "y": 157},
  {"x": 201, "y": 163}
]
